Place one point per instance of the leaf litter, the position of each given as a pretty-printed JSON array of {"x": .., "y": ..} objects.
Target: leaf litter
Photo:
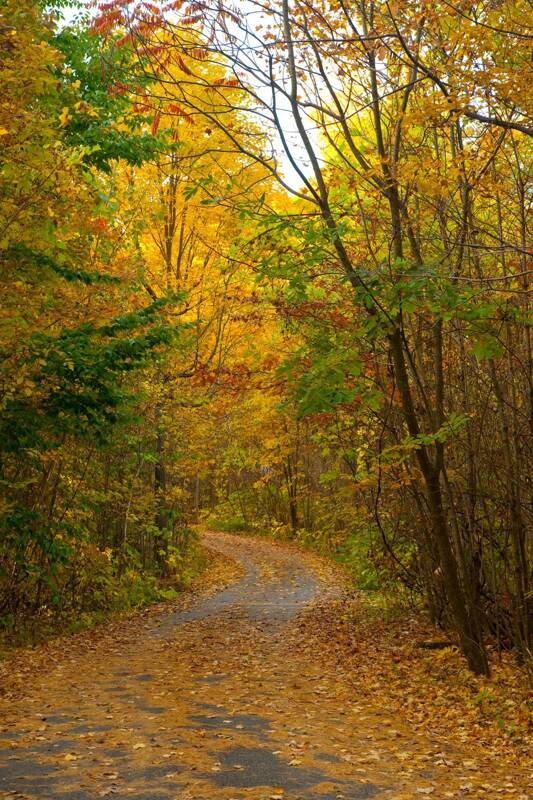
[{"x": 348, "y": 706}]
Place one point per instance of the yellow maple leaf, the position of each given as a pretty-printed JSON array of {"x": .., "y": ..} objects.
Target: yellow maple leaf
[{"x": 64, "y": 117}]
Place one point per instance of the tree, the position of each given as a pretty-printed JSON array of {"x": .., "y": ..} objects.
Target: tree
[{"x": 389, "y": 93}]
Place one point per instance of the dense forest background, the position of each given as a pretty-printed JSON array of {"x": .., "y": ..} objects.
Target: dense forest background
[{"x": 269, "y": 268}]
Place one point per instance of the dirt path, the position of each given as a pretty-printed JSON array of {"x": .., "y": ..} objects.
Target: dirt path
[{"x": 225, "y": 699}]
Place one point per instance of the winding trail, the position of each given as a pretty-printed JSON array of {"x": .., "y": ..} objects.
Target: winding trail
[{"x": 224, "y": 699}]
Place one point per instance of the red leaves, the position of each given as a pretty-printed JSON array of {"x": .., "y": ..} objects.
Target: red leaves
[
  {"x": 193, "y": 8},
  {"x": 124, "y": 40},
  {"x": 138, "y": 18},
  {"x": 150, "y": 7},
  {"x": 106, "y": 6},
  {"x": 154, "y": 49},
  {"x": 119, "y": 88},
  {"x": 105, "y": 22},
  {"x": 98, "y": 223},
  {"x": 144, "y": 15}
]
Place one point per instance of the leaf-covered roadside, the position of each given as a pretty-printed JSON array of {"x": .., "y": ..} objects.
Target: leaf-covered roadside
[
  {"x": 392, "y": 654},
  {"x": 396, "y": 660},
  {"x": 20, "y": 666}
]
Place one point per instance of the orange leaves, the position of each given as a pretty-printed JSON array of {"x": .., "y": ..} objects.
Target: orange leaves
[
  {"x": 98, "y": 223},
  {"x": 142, "y": 108},
  {"x": 191, "y": 20},
  {"x": 178, "y": 60},
  {"x": 115, "y": 14},
  {"x": 430, "y": 687},
  {"x": 229, "y": 83},
  {"x": 151, "y": 7},
  {"x": 198, "y": 53},
  {"x": 155, "y": 123},
  {"x": 175, "y": 109},
  {"x": 124, "y": 40},
  {"x": 112, "y": 5},
  {"x": 119, "y": 88},
  {"x": 225, "y": 13},
  {"x": 154, "y": 50},
  {"x": 106, "y": 21}
]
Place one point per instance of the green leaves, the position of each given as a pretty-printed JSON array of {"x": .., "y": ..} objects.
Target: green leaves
[
  {"x": 25, "y": 259},
  {"x": 193, "y": 187},
  {"x": 452, "y": 426},
  {"x": 100, "y": 82},
  {"x": 77, "y": 375},
  {"x": 487, "y": 346},
  {"x": 323, "y": 376}
]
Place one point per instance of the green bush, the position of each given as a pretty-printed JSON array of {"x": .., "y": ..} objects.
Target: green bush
[{"x": 229, "y": 525}]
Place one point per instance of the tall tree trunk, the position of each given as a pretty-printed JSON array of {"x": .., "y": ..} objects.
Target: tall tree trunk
[
  {"x": 292, "y": 492},
  {"x": 160, "y": 490}
]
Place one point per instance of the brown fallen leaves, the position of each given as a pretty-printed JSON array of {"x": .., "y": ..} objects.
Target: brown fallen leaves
[
  {"x": 337, "y": 693},
  {"x": 23, "y": 667},
  {"x": 431, "y": 688}
]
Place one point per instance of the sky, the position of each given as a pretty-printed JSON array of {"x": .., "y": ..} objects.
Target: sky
[{"x": 249, "y": 8}]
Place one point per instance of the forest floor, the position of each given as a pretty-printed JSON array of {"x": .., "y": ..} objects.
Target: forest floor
[{"x": 244, "y": 689}]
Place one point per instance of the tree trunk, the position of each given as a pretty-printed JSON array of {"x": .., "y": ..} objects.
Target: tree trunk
[{"x": 160, "y": 490}]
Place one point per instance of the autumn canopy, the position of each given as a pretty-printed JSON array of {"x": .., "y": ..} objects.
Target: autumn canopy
[{"x": 268, "y": 264}]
